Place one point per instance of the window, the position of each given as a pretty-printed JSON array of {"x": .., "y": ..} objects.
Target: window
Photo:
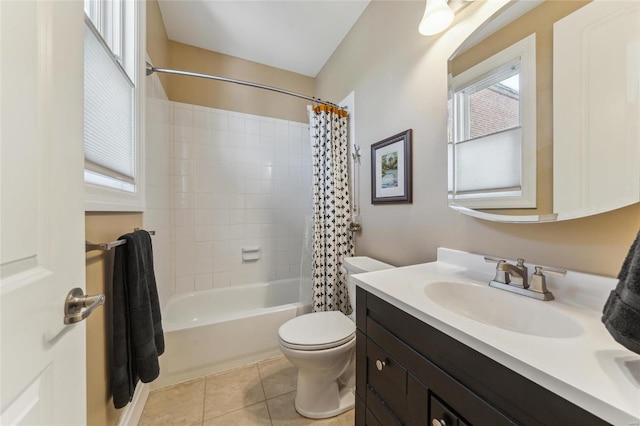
[
  {"x": 112, "y": 106},
  {"x": 492, "y": 131}
]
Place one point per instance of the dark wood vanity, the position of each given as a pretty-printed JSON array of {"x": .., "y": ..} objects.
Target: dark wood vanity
[{"x": 409, "y": 373}]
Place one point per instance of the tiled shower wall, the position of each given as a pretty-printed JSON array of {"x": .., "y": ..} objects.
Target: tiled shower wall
[
  {"x": 239, "y": 180},
  {"x": 158, "y": 156}
]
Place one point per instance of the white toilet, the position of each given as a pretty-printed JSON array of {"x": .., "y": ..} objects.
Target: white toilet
[{"x": 322, "y": 346}]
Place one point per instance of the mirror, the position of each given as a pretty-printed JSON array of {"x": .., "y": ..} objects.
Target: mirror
[{"x": 581, "y": 112}]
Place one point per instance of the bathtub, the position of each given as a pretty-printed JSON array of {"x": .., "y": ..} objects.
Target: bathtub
[{"x": 213, "y": 330}]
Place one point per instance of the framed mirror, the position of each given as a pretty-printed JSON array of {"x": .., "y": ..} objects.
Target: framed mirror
[{"x": 544, "y": 112}]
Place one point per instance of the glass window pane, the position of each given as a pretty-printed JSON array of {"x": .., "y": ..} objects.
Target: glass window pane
[{"x": 495, "y": 108}]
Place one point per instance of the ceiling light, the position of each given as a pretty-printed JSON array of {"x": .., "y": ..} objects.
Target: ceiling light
[{"x": 437, "y": 17}]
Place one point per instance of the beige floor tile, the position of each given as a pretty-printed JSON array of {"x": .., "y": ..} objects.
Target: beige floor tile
[
  {"x": 231, "y": 390},
  {"x": 278, "y": 375},
  {"x": 176, "y": 405},
  {"x": 254, "y": 415},
  {"x": 348, "y": 418},
  {"x": 283, "y": 413}
]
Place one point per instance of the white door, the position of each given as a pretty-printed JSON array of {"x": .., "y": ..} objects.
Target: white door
[{"x": 42, "y": 361}]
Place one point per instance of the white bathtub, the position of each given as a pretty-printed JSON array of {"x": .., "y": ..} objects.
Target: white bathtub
[{"x": 213, "y": 330}]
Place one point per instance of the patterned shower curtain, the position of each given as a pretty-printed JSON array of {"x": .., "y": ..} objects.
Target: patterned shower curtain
[{"x": 332, "y": 240}]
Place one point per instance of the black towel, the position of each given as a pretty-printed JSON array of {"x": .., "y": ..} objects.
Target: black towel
[
  {"x": 137, "y": 334},
  {"x": 621, "y": 314}
]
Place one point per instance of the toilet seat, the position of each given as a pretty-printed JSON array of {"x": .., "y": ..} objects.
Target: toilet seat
[{"x": 316, "y": 331}]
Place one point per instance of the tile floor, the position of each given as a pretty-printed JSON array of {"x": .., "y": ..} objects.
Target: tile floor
[{"x": 257, "y": 394}]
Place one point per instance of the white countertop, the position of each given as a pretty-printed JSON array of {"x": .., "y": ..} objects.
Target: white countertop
[{"x": 591, "y": 370}]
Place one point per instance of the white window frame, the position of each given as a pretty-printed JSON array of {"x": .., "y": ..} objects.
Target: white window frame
[
  {"x": 131, "y": 58},
  {"x": 524, "y": 53}
]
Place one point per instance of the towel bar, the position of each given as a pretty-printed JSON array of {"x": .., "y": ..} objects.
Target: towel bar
[{"x": 108, "y": 246}]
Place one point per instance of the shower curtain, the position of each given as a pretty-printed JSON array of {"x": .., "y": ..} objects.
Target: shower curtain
[{"x": 332, "y": 240}]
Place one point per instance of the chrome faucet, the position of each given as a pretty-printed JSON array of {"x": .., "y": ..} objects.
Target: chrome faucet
[
  {"x": 515, "y": 275},
  {"x": 514, "y": 278}
]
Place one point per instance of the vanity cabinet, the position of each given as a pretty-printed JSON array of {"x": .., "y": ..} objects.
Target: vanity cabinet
[{"x": 409, "y": 373}]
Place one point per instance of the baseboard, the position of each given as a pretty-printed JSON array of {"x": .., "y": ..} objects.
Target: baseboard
[{"x": 133, "y": 411}]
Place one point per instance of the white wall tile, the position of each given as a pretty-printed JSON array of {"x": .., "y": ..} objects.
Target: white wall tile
[
  {"x": 222, "y": 137},
  {"x": 184, "y": 267},
  {"x": 202, "y": 119},
  {"x": 251, "y": 126},
  {"x": 220, "y": 279},
  {"x": 221, "y": 248},
  {"x": 202, "y": 135},
  {"x": 238, "y": 180},
  {"x": 220, "y": 122},
  {"x": 204, "y": 282},
  {"x": 237, "y": 201},
  {"x": 237, "y": 277},
  {"x": 185, "y": 250},
  {"x": 203, "y": 216},
  {"x": 183, "y": 116},
  {"x": 205, "y": 249},
  {"x": 203, "y": 265},
  {"x": 185, "y": 284},
  {"x": 183, "y": 167},
  {"x": 183, "y": 133},
  {"x": 183, "y": 234},
  {"x": 203, "y": 233},
  {"x": 220, "y": 232},
  {"x": 236, "y": 125},
  {"x": 205, "y": 201},
  {"x": 183, "y": 184},
  {"x": 183, "y": 201}
]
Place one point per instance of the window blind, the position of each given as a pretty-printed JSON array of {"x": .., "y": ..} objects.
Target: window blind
[
  {"x": 489, "y": 163},
  {"x": 108, "y": 113}
]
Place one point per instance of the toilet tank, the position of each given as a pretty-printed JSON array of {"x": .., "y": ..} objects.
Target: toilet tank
[{"x": 358, "y": 265}]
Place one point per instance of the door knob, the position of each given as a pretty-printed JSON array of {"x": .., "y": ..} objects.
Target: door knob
[{"x": 79, "y": 306}]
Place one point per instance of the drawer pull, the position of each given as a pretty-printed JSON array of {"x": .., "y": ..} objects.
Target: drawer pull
[
  {"x": 438, "y": 422},
  {"x": 380, "y": 364}
]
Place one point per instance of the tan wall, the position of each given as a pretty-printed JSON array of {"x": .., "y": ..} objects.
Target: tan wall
[
  {"x": 234, "y": 97},
  {"x": 157, "y": 41},
  {"x": 400, "y": 82},
  {"x": 165, "y": 53},
  {"x": 102, "y": 227},
  {"x": 539, "y": 21}
]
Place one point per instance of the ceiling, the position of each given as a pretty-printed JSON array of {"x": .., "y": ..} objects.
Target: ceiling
[{"x": 294, "y": 35}]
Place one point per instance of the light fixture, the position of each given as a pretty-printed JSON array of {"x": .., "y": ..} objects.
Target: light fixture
[{"x": 437, "y": 17}]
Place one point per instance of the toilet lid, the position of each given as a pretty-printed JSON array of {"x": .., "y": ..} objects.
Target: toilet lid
[{"x": 318, "y": 330}]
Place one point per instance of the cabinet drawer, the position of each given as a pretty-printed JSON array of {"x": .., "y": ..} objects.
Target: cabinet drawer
[
  {"x": 441, "y": 414},
  {"x": 378, "y": 410},
  {"x": 371, "y": 419},
  {"x": 387, "y": 378}
]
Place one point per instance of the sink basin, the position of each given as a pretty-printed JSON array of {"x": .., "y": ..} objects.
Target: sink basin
[{"x": 502, "y": 309}]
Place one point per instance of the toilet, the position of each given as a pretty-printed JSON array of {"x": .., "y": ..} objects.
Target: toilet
[{"x": 322, "y": 346}]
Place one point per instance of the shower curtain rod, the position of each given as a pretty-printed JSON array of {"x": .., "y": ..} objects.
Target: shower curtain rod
[{"x": 151, "y": 69}]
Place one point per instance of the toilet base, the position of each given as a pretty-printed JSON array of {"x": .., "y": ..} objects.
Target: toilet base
[{"x": 346, "y": 400}]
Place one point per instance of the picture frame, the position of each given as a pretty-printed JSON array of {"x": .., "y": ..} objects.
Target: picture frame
[{"x": 391, "y": 170}]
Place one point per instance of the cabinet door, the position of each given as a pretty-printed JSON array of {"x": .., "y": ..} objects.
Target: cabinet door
[
  {"x": 595, "y": 109},
  {"x": 387, "y": 378}
]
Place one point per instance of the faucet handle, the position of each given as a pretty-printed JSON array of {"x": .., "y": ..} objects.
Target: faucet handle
[
  {"x": 502, "y": 276},
  {"x": 549, "y": 270},
  {"x": 520, "y": 262}
]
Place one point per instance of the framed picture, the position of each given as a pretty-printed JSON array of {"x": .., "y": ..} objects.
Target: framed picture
[{"x": 391, "y": 169}]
